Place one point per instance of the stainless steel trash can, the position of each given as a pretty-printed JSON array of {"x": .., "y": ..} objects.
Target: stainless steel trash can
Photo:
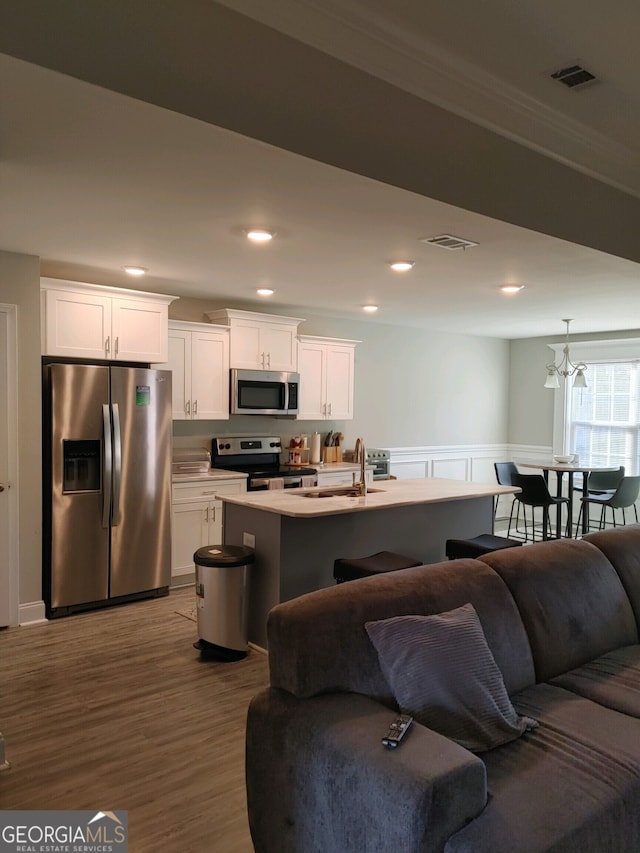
[{"x": 221, "y": 599}]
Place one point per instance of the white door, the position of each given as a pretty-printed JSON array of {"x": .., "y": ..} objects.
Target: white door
[
  {"x": 190, "y": 531},
  {"x": 279, "y": 343},
  {"x": 139, "y": 330},
  {"x": 8, "y": 467},
  {"x": 340, "y": 365},
  {"x": 311, "y": 361},
  {"x": 180, "y": 366},
  {"x": 210, "y": 375},
  {"x": 78, "y": 325}
]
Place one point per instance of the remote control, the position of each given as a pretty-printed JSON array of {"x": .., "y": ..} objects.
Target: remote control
[{"x": 397, "y": 731}]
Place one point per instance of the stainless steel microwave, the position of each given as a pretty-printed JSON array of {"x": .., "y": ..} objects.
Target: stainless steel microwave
[{"x": 264, "y": 392}]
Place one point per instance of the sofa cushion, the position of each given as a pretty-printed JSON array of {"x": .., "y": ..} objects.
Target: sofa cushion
[
  {"x": 320, "y": 781},
  {"x": 318, "y": 643},
  {"x": 612, "y": 680},
  {"x": 621, "y": 546},
  {"x": 443, "y": 674},
  {"x": 572, "y": 784},
  {"x": 571, "y": 601}
]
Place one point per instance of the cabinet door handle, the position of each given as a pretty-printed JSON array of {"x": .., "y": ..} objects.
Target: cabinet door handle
[
  {"x": 188, "y": 407},
  {"x": 269, "y": 360},
  {"x": 329, "y": 408},
  {"x": 2, "y": 487},
  {"x": 195, "y": 407},
  {"x": 262, "y": 358},
  {"x": 107, "y": 346},
  {"x": 206, "y": 515},
  {"x": 115, "y": 349}
]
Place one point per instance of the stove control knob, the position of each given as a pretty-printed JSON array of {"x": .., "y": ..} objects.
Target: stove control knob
[
  {"x": 274, "y": 444},
  {"x": 226, "y": 446}
]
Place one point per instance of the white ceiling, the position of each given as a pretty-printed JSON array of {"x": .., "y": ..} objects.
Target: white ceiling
[{"x": 92, "y": 179}]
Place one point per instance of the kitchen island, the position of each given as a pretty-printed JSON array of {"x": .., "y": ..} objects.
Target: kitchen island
[{"x": 298, "y": 535}]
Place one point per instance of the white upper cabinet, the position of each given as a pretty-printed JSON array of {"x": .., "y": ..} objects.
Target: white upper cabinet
[
  {"x": 93, "y": 322},
  {"x": 260, "y": 341},
  {"x": 199, "y": 361},
  {"x": 326, "y": 367}
]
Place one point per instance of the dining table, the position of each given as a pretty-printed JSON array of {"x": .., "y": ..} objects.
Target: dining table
[{"x": 569, "y": 468}]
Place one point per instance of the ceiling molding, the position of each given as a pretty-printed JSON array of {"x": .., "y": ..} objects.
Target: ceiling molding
[{"x": 381, "y": 46}]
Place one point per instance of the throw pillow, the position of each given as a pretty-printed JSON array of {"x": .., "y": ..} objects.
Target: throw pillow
[{"x": 443, "y": 674}]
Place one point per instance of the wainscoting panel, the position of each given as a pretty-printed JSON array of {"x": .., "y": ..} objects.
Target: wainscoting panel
[
  {"x": 472, "y": 463},
  {"x": 452, "y": 469}
]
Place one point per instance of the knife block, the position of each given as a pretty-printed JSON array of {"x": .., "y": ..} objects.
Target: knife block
[{"x": 332, "y": 454}]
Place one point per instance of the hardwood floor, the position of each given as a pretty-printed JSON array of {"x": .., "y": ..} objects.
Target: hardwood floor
[{"x": 114, "y": 709}]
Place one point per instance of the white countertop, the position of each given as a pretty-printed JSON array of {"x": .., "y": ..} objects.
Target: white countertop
[
  {"x": 220, "y": 473},
  {"x": 211, "y": 474},
  {"x": 383, "y": 495}
]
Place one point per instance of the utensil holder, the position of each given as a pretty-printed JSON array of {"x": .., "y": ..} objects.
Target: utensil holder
[{"x": 332, "y": 454}]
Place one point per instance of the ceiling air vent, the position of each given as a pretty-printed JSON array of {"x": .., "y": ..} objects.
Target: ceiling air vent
[
  {"x": 573, "y": 75},
  {"x": 448, "y": 241}
]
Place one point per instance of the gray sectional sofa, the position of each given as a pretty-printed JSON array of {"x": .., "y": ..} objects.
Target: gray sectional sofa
[{"x": 560, "y": 619}]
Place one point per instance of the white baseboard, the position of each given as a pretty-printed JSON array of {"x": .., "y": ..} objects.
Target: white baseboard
[{"x": 32, "y": 613}]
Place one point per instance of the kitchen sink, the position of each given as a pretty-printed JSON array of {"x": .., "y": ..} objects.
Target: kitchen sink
[{"x": 337, "y": 492}]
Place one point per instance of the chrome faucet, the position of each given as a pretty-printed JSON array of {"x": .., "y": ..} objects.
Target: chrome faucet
[{"x": 360, "y": 455}]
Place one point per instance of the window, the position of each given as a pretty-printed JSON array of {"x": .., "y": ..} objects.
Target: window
[{"x": 603, "y": 419}]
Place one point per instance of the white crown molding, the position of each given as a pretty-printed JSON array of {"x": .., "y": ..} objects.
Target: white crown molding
[{"x": 381, "y": 46}]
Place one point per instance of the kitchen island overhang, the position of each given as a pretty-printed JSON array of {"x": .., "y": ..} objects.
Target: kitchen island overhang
[{"x": 297, "y": 538}]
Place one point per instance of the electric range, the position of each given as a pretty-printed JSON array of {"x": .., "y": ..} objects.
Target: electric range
[{"x": 259, "y": 458}]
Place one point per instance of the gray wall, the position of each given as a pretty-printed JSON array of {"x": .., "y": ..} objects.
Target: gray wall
[
  {"x": 412, "y": 387},
  {"x": 20, "y": 285}
]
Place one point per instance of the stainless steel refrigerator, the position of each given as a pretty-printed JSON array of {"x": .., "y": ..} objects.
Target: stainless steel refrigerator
[{"x": 107, "y": 485}]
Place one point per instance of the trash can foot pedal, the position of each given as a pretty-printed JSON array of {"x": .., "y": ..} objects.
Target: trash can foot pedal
[{"x": 209, "y": 651}]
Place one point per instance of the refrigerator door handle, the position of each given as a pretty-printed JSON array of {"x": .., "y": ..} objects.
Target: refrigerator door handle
[
  {"x": 107, "y": 467},
  {"x": 117, "y": 464}
]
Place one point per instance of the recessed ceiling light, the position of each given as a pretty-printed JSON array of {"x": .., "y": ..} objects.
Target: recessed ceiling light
[
  {"x": 512, "y": 288},
  {"x": 260, "y": 235},
  {"x": 135, "y": 270},
  {"x": 401, "y": 266},
  {"x": 370, "y": 309},
  {"x": 265, "y": 291}
]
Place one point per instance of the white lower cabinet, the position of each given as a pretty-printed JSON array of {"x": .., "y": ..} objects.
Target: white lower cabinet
[{"x": 197, "y": 521}]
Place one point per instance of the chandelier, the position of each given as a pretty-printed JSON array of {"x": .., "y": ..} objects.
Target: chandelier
[{"x": 566, "y": 368}]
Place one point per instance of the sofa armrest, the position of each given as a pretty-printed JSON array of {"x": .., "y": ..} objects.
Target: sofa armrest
[{"x": 319, "y": 779}]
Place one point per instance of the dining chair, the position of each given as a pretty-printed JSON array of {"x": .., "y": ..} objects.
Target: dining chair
[
  {"x": 535, "y": 493},
  {"x": 599, "y": 482},
  {"x": 504, "y": 473},
  {"x": 604, "y": 481},
  {"x": 624, "y": 496}
]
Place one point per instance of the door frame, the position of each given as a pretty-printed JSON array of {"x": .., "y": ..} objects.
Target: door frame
[{"x": 11, "y": 361}]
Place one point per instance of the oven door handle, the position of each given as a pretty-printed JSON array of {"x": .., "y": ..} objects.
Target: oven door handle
[{"x": 259, "y": 483}]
